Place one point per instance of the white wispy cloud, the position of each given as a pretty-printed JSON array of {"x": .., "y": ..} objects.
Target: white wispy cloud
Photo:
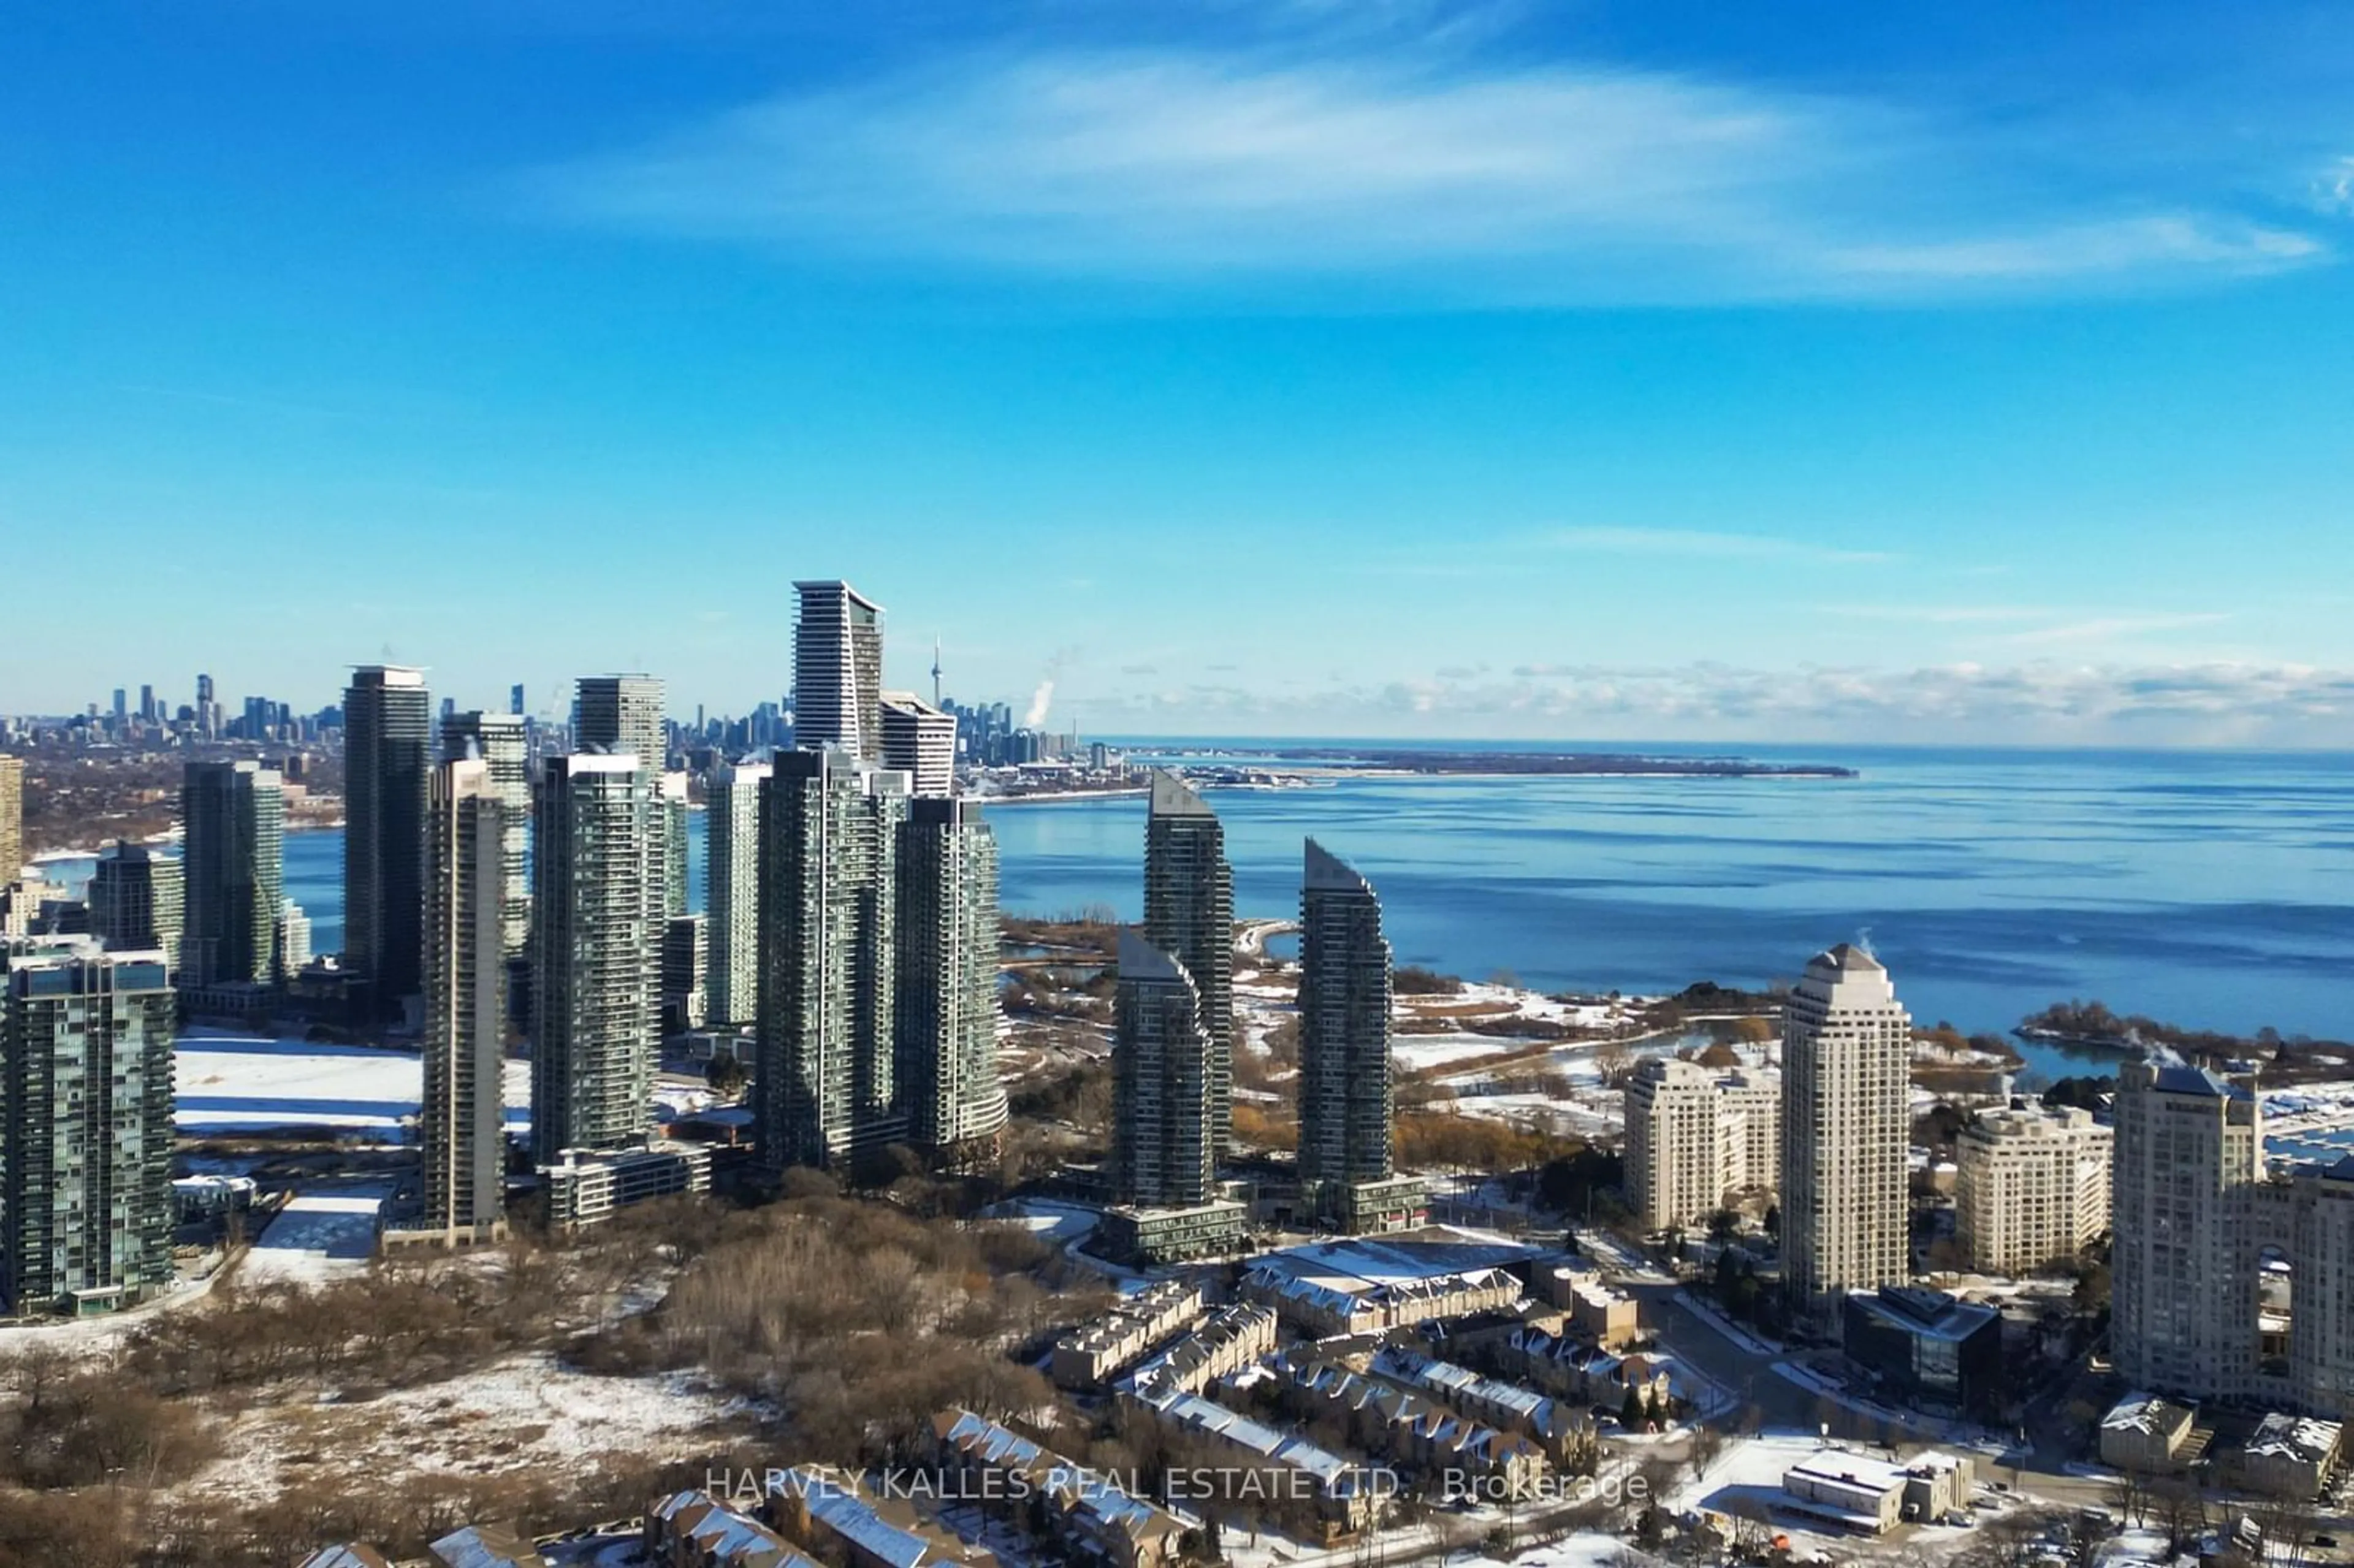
[
  {"x": 1474, "y": 181},
  {"x": 1704, "y": 544},
  {"x": 2207, "y": 704}
]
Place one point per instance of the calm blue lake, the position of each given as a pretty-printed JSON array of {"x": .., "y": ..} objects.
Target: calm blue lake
[{"x": 2214, "y": 890}]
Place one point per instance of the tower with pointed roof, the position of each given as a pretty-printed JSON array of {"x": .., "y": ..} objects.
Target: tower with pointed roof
[{"x": 1846, "y": 1130}]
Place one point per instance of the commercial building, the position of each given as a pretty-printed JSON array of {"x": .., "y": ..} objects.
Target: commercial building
[
  {"x": 2183, "y": 1286},
  {"x": 1189, "y": 916},
  {"x": 1345, "y": 1096},
  {"x": 462, "y": 1122},
  {"x": 501, "y": 743},
  {"x": 2032, "y": 1188},
  {"x": 838, "y": 670},
  {"x": 138, "y": 901},
  {"x": 1699, "y": 1138},
  {"x": 919, "y": 740},
  {"x": 829, "y": 846},
  {"x": 1846, "y": 1128},
  {"x": 597, "y": 898},
  {"x": 946, "y": 1014},
  {"x": 234, "y": 818},
  {"x": 1926, "y": 1347},
  {"x": 86, "y": 1204},
  {"x": 388, "y": 754},
  {"x": 1164, "y": 1151},
  {"x": 732, "y": 889},
  {"x": 1858, "y": 1493}
]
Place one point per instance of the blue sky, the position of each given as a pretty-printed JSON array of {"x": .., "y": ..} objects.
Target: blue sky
[{"x": 1655, "y": 370}]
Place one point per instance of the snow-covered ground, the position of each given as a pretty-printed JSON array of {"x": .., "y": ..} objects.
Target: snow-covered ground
[
  {"x": 318, "y": 1236},
  {"x": 520, "y": 1412},
  {"x": 1057, "y": 1224},
  {"x": 229, "y": 1080}
]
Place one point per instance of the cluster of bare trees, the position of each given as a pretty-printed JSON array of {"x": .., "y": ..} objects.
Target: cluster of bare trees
[{"x": 857, "y": 1322}]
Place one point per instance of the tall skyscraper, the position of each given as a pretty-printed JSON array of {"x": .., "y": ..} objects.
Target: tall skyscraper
[
  {"x": 2189, "y": 1151},
  {"x": 498, "y": 740},
  {"x": 86, "y": 1212},
  {"x": 946, "y": 1011},
  {"x": 1344, "y": 1027},
  {"x": 148, "y": 713},
  {"x": 234, "y": 818},
  {"x": 596, "y": 930},
  {"x": 1164, "y": 1151},
  {"x": 919, "y": 741},
  {"x": 387, "y": 753},
  {"x": 621, "y": 712},
  {"x": 669, "y": 795},
  {"x": 1189, "y": 915},
  {"x": 1696, "y": 1138},
  {"x": 838, "y": 670},
  {"x": 828, "y": 841},
  {"x": 12, "y": 818},
  {"x": 138, "y": 901},
  {"x": 208, "y": 711},
  {"x": 731, "y": 882},
  {"x": 1846, "y": 1127},
  {"x": 293, "y": 939},
  {"x": 514, "y": 701},
  {"x": 461, "y": 1123}
]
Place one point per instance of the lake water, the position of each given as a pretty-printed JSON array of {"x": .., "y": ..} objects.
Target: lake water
[{"x": 2213, "y": 890}]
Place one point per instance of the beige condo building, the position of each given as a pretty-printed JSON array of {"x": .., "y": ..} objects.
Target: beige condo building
[
  {"x": 1696, "y": 1137},
  {"x": 2031, "y": 1187}
]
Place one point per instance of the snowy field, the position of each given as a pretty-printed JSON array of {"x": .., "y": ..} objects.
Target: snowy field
[
  {"x": 226, "y": 1081},
  {"x": 521, "y": 1412}
]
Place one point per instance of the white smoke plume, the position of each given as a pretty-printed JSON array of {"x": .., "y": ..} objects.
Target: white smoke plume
[{"x": 1036, "y": 717}]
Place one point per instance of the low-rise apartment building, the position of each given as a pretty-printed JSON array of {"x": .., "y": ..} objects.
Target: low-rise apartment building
[
  {"x": 1226, "y": 1342},
  {"x": 1092, "y": 1354}
]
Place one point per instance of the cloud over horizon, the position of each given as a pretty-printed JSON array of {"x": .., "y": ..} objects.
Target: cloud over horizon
[{"x": 2041, "y": 703}]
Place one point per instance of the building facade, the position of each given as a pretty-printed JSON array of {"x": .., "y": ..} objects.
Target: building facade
[
  {"x": 597, "y": 929},
  {"x": 829, "y": 847},
  {"x": 1189, "y": 916},
  {"x": 946, "y": 1014},
  {"x": 1165, "y": 1144},
  {"x": 233, "y": 816},
  {"x": 731, "y": 881},
  {"x": 86, "y": 1208},
  {"x": 387, "y": 752},
  {"x": 1699, "y": 1138},
  {"x": 2031, "y": 1188},
  {"x": 620, "y": 714},
  {"x": 2190, "y": 1149},
  {"x": 461, "y": 1123},
  {"x": 1345, "y": 1096},
  {"x": 919, "y": 740},
  {"x": 138, "y": 901},
  {"x": 838, "y": 670},
  {"x": 500, "y": 743},
  {"x": 1846, "y": 1132}
]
